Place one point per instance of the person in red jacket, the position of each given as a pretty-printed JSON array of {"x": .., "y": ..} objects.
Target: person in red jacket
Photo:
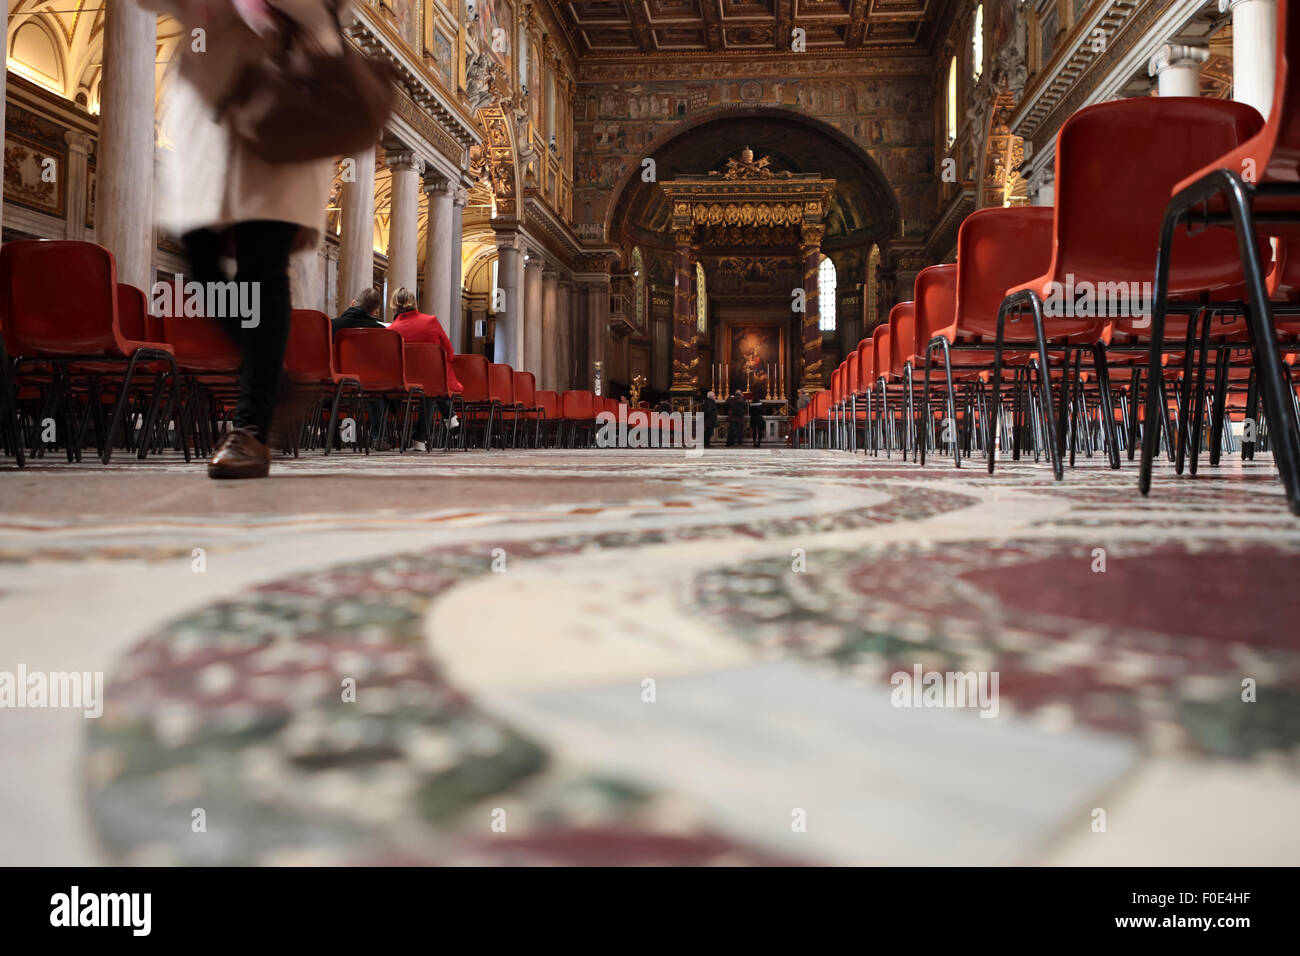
[{"x": 414, "y": 326}]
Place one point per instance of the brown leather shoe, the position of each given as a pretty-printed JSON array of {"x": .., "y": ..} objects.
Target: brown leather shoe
[{"x": 240, "y": 455}]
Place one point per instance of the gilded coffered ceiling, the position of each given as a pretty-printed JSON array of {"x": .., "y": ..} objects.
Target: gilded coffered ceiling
[{"x": 620, "y": 27}]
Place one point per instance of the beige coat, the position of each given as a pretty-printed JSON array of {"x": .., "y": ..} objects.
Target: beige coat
[{"x": 209, "y": 179}]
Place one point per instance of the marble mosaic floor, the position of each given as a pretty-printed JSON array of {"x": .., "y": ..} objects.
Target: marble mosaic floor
[{"x": 642, "y": 657}]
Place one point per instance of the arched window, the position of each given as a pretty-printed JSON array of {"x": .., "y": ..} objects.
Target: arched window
[
  {"x": 951, "y": 121},
  {"x": 873, "y": 266},
  {"x": 977, "y": 43},
  {"x": 701, "y": 301},
  {"x": 638, "y": 288},
  {"x": 826, "y": 294}
]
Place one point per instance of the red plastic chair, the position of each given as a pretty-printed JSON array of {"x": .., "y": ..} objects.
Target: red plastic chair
[
  {"x": 60, "y": 306},
  {"x": 578, "y": 410},
  {"x": 309, "y": 366},
  {"x": 501, "y": 389},
  {"x": 549, "y": 404},
  {"x": 377, "y": 359},
  {"x": 1106, "y": 229},
  {"x": 1217, "y": 190},
  {"x": 426, "y": 366},
  {"x": 472, "y": 370},
  {"x": 525, "y": 392}
]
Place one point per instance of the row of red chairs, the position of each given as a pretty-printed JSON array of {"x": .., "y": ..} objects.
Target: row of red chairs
[
  {"x": 1216, "y": 285},
  {"x": 74, "y": 343}
]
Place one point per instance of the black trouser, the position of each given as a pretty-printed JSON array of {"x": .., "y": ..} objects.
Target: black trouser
[
  {"x": 710, "y": 427},
  {"x": 757, "y": 428},
  {"x": 735, "y": 432},
  {"x": 262, "y": 249}
]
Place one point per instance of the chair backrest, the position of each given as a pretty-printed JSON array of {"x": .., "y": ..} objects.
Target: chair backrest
[
  {"x": 59, "y": 298},
  {"x": 549, "y": 402},
  {"x": 426, "y": 366},
  {"x": 526, "y": 389},
  {"x": 821, "y": 404},
  {"x": 880, "y": 345},
  {"x": 501, "y": 383},
  {"x": 133, "y": 316},
  {"x": 850, "y": 382},
  {"x": 576, "y": 405},
  {"x": 372, "y": 356},
  {"x": 309, "y": 356},
  {"x": 472, "y": 370},
  {"x": 1108, "y": 218},
  {"x": 866, "y": 365},
  {"x": 837, "y": 378},
  {"x": 936, "y": 305},
  {"x": 902, "y": 336},
  {"x": 997, "y": 249}
]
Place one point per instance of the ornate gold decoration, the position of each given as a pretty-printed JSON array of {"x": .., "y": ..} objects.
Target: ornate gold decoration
[
  {"x": 746, "y": 168},
  {"x": 638, "y": 383}
]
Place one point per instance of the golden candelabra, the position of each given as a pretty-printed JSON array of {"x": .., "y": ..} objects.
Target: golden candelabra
[{"x": 638, "y": 383}]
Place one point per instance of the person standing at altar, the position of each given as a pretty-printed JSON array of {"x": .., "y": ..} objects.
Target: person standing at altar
[
  {"x": 735, "y": 419},
  {"x": 756, "y": 422},
  {"x": 710, "y": 417}
]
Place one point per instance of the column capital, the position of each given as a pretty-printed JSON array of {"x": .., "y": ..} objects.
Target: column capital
[
  {"x": 509, "y": 242},
  {"x": 77, "y": 140},
  {"x": 1226, "y": 5},
  {"x": 436, "y": 183},
  {"x": 812, "y": 233},
  {"x": 683, "y": 237},
  {"x": 397, "y": 159},
  {"x": 459, "y": 196},
  {"x": 1174, "y": 55}
]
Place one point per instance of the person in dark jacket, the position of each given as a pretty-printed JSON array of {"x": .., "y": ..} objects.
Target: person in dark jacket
[
  {"x": 363, "y": 313},
  {"x": 710, "y": 417},
  {"x": 756, "y": 423},
  {"x": 735, "y": 419}
]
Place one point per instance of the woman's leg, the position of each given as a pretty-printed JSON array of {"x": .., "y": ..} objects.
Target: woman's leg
[
  {"x": 262, "y": 253},
  {"x": 203, "y": 249}
]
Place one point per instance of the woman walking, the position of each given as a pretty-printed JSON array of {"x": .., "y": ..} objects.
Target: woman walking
[{"x": 223, "y": 200}]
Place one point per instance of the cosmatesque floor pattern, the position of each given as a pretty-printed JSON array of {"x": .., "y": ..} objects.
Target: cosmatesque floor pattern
[{"x": 630, "y": 657}]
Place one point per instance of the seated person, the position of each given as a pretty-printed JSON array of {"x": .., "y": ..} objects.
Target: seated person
[
  {"x": 414, "y": 326},
  {"x": 363, "y": 313}
]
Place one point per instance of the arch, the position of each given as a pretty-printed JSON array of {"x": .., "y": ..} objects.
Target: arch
[{"x": 872, "y": 173}]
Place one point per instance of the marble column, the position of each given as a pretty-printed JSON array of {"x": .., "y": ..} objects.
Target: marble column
[
  {"x": 683, "y": 347},
  {"x": 306, "y": 280},
  {"x": 78, "y": 176},
  {"x": 124, "y": 211},
  {"x": 1044, "y": 194},
  {"x": 404, "y": 221},
  {"x": 569, "y": 341},
  {"x": 532, "y": 317},
  {"x": 455, "y": 308},
  {"x": 597, "y": 333},
  {"x": 1254, "y": 51},
  {"x": 811, "y": 379},
  {"x": 508, "y": 341},
  {"x": 357, "y": 232},
  {"x": 550, "y": 328},
  {"x": 1177, "y": 69},
  {"x": 435, "y": 295}
]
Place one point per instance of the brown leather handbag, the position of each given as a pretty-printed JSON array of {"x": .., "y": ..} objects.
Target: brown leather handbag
[{"x": 301, "y": 103}]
